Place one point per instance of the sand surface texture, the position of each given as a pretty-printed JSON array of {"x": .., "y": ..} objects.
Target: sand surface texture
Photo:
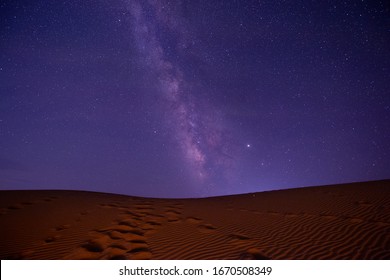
[{"x": 350, "y": 221}]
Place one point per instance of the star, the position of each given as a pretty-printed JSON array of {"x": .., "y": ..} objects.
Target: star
[{"x": 131, "y": 93}]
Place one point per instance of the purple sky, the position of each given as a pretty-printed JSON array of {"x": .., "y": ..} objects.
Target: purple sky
[{"x": 193, "y": 98}]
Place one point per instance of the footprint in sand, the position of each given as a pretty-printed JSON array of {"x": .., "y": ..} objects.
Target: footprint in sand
[
  {"x": 102, "y": 247},
  {"x": 143, "y": 207},
  {"x": 173, "y": 207},
  {"x": 116, "y": 254},
  {"x": 193, "y": 220},
  {"x": 206, "y": 228},
  {"x": 143, "y": 214},
  {"x": 62, "y": 227},
  {"x": 135, "y": 214},
  {"x": 153, "y": 223},
  {"x": 148, "y": 223},
  {"x": 115, "y": 235},
  {"x": 172, "y": 212},
  {"x": 15, "y": 207},
  {"x": 27, "y": 203},
  {"x": 52, "y": 238},
  {"x": 151, "y": 227},
  {"x": 128, "y": 222},
  {"x": 156, "y": 217},
  {"x": 122, "y": 229},
  {"x": 97, "y": 245},
  {"x": 173, "y": 216},
  {"x": 120, "y": 246},
  {"x": 118, "y": 242},
  {"x": 178, "y": 205},
  {"x": 81, "y": 215},
  {"x": 174, "y": 220},
  {"x": 113, "y": 205},
  {"x": 103, "y": 205},
  {"x": 139, "y": 249},
  {"x": 240, "y": 237},
  {"x": 253, "y": 254}
]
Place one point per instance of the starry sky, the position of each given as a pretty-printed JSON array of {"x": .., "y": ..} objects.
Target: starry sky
[{"x": 193, "y": 98}]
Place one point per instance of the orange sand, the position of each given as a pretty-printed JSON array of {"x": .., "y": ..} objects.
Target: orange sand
[{"x": 350, "y": 221}]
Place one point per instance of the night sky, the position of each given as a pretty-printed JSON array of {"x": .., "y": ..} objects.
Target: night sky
[{"x": 193, "y": 98}]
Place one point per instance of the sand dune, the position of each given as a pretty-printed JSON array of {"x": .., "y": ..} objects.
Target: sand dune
[{"x": 350, "y": 221}]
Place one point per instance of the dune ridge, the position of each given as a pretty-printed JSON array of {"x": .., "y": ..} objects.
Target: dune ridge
[{"x": 348, "y": 221}]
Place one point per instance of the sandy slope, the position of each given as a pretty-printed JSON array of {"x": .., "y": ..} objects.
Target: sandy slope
[{"x": 331, "y": 222}]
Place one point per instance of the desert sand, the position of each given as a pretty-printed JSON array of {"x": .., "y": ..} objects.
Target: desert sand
[{"x": 349, "y": 221}]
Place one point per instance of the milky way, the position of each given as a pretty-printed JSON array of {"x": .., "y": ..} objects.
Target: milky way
[
  {"x": 193, "y": 98},
  {"x": 197, "y": 127}
]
